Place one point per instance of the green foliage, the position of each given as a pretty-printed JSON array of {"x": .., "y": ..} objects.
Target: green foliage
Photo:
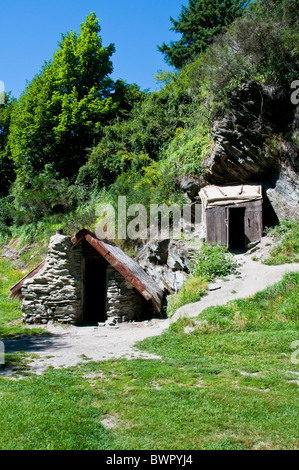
[
  {"x": 192, "y": 290},
  {"x": 150, "y": 183},
  {"x": 7, "y": 174},
  {"x": 187, "y": 150},
  {"x": 213, "y": 261},
  {"x": 37, "y": 196},
  {"x": 133, "y": 154},
  {"x": 62, "y": 110},
  {"x": 216, "y": 384},
  {"x": 10, "y": 309},
  {"x": 286, "y": 238},
  {"x": 68, "y": 421},
  {"x": 75, "y": 133},
  {"x": 268, "y": 52},
  {"x": 60, "y": 117},
  {"x": 235, "y": 361},
  {"x": 198, "y": 24},
  {"x": 6, "y": 210},
  {"x": 7, "y": 215},
  {"x": 208, "y": 263}
]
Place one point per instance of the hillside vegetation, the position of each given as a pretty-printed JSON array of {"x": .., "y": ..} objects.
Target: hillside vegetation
[{"x": 76, "y": 137}]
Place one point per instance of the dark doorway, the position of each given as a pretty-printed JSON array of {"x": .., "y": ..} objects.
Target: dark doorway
[
  {"x": 236, "y": 228},
  {"x": 95, "y": 290}
]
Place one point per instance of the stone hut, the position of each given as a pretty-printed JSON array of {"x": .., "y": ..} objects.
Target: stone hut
[
  {"x": 232, "y": 215},
  {"x": 87, "y": 280}
]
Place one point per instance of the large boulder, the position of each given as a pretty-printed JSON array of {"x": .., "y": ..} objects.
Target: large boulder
[
  {"x": 284, "y": 195},
  {"x": 191, "y": 185},
  {"x": 168, "y": 261}
]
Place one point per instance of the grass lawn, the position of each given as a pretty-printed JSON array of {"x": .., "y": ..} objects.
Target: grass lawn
[
  {"x": 11, "y": 325},
  {"x": 10, "y": 313},
  {"x": 225, "y": 381}
]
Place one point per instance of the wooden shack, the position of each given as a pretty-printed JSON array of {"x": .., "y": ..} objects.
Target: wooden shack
[
  {"x": 87, "y": 280},
  {"x": 232, "y": 215}
]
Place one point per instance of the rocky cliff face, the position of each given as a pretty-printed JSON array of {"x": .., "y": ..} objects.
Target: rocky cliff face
[
  {"x": 168, "y": 261},
  {"x": 256, "y": 142}
]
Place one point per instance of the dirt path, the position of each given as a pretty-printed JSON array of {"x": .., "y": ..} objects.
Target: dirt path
[
  {"x": 253, "y": 276},
  {"x": 68, "y": 345}
]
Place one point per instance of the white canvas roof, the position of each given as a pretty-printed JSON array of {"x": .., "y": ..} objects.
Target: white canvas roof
[{"x": 224, "y": 195}]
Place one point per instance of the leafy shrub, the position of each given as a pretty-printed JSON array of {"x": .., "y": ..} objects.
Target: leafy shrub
[
  {"x": 188, "y": 149},
  {"x": 212, "y": 262},
  {"x": 207, "y": 264},
  {"x": 6, "y": 210}
]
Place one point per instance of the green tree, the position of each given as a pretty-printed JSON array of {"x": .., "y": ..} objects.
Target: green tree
[
  {"x": 147, "y": 123},
  {"x": 198, "y": 24},
  {"x": 7, "y": 173},
  {"x": 267, "y": 53},
  {"x": 62, "y": 112}
]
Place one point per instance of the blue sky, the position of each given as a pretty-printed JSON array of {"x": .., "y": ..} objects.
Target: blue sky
[{"x": 29, "y": 31}]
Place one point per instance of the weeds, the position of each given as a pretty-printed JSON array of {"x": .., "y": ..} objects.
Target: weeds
[
  {"x": 286, "y": 238},
  {"x": 210, "y": 262},
  {"x": 191, "y": 291}
]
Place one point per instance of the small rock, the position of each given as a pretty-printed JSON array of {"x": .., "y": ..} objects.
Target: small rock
[
  {"x": 214, "y": 286},
  {"x": 111, "y": 322}
]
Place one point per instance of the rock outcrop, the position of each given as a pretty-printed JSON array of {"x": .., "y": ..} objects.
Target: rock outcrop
[
  {"x": 191, "y": 186},
  {"x": 283, "y": 195},
  {"x": 254, "y": 143},
  {"x": 168, "y": 261}
]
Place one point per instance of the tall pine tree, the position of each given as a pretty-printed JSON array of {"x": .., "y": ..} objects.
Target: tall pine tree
[{"x": 198, "y": 24}]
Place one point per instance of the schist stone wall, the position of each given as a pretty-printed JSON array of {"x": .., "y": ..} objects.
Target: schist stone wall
[
  {"x": 123, "y": 300},
  {"x": 56, "y": 293}
]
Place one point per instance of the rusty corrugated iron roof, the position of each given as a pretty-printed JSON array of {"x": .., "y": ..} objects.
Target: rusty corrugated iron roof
[{"x": 15, "y": 291}]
